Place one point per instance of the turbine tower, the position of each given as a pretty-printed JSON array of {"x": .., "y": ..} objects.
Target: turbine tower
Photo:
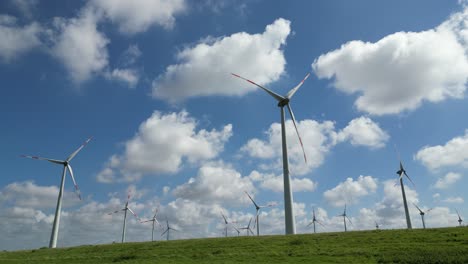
[
  {"x": 125, "y": 209},
  {"x": 402, "y": 172},
  {"x": 168, "y": 229},
  {"x": 460, "y": 220},
  {"x": 314, "y": 220},
  {"x": 422, "y": 213},
  {"x": 288, "y": 196},
  {"x": 257, "y": 208},
  {"x": 344, "y": 218},
  {"x": 154, "y": 220},
  {"x": 58, "y": 209}
]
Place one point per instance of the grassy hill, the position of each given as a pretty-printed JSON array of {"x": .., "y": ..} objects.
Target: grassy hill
[{"x": 443, "y": 245}]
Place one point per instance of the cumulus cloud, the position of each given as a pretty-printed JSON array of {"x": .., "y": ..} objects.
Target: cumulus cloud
[
  {"x": 317, "y": 139},
  {"x": 215, "y": 182},
  {"x": 448, "y": 180},
  {"x": 80, "y": 46},
  {"x": 17, "y": 40},
  {"x": 205, "y": 68},
  {"x": 350, "y": 191},
  {"x": 402, "y": 70},
  {"x": 138, "y": 15},
  {"x": 128, "y": 76},
  {"x": 169, "y": 139},
  {"x": 453, "y": 153},
  {"x": 275, "y": 183},
  {"x": 362, "y": 131}
]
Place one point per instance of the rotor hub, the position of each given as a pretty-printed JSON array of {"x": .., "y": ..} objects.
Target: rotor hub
[{"x": 283, "y": 102}]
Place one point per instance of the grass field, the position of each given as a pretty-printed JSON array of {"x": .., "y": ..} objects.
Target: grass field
[{"x": 443, "y": 245}]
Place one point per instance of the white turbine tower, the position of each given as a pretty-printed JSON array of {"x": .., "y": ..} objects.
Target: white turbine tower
[
  {"x": 168, "y": 229},
  {"x": 402, "y": 172},
  {"x": 125, "y": 209},
  {"x": 288, "y": 196},
  {"x": 344, "y": 218},
  {"x": 422, "y": 213},
  {"x": 257, "y": 208},
  {"x": 58, "y": 209},
  {"x": 154, "y": 220}
]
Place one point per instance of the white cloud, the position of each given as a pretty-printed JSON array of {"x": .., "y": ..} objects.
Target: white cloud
[
  {"x": 276, "y": 184},
  {"x": 453, "y": 199},
  {"x": 448, "y": 180},
  {"x": 169, "y": 139},
  {"x": 80, "y": 46},
  {"x": 316, "y": 137},
  {"x": 128, "y": 76},
  {"x": 138, "y": 15},
  {"x": 16, "y": 39},
  {"x": 402, "y": 70},
  {"x": 215, "y": 183},
  {"x": 453, "y": 153},
  {"x": 350, "y": 191},
  {"x": 205, "y": 68},
  {"x": 363, "y": 131}
]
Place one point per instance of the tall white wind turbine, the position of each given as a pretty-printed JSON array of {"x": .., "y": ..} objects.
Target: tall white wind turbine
[
  {"x": 314, "y": 220},
  {"x": 288, "y": 196},
  {"x": 422, "y": 213},
  {"x": 257, "y": 208},
  {"x": 154, "y": 220},
  {"x": 247, "y": 228},
  {"x": 400, "y": 173},
  {"x": 125, "y": 209},
  {"x": 344, "y": 218},
  {"x": 58, "y": 209},
  {"x": 460, "y": 220},
  {"x": 226, "y": 223},
  {"x": 168, "y": 229}
]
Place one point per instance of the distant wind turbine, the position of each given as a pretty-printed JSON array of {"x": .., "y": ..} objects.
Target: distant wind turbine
[
  {"x": 288, "y": 196},
  {"x": 460, "y": 220},
  {"x": 400, "y": 173},
  {"x": 422, "y": 213},
  {"x": 154, "y": 220},
  {"x": 168, "y": 229},
  {"x": 226, "y": 223},
  {"x": 247, "y": 228},
  {"x": 125, "y": 209},
  {"x": 377, "y": 226},
  {"x": 314, "y": 220},
  {"x": 257, "y": 208},
  {"x": 344, "y": 218},
  {"x": 58, "y": 209}
]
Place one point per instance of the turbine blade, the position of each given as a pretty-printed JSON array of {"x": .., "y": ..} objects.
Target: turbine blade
[
  {"x": 155, "y": 213},
  {"x": 133, "y": 213},
  {"x": 320, "y": 223},
  {"x": 252, "y": 200},
  {"x": 77, "y": 190},
  {"x": 78, "y": 150},
  {"x": 225, "y": 220},
  {"x": 275, "y": 95},
  {"x": 310, "y": 224},
  {"x": 297, "y": 132},
  {"x": 418, "y": 208},
  {"x": 294, "y": 90},
  {"x": 409, "y": 178},
  {"x": 146, "y": 221},
  {"x": 61, "y": 162},
  {"x": 165, "y": 232},
  {"x": 349, "y": 220}
]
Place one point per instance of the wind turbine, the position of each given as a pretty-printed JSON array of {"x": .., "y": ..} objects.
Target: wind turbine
[
  {"x": 58, "y": 209},
  {"x": 460, "y": 220},
  {"x": 377, "y": 226},
  {"x": 225, "y": 224},
  {"x": 168, "y": 229},
  {"x": 402, "y": 172},
  {"x": 288, "y": 196},
  {"x": 344, "y": 218},
  {"x": 314, "y": 220},
  {"x": 154, "y": 220},
  {"x": 247, "y": 228},
  {"x": 125, "y": 209},
  {"x": 257, "y": 208},
  {"x": 422, "y": 213}
]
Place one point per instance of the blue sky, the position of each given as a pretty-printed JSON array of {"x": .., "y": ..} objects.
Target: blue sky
[{"x": 150, "y": 81}]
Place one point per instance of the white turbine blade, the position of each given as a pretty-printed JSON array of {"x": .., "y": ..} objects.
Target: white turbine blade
[
  {"x": 409, "y": 178},
  {"x": 251, "y": 231},
  {"x": 115, "y": 212},
  {"x": 41, "y": 158},
  {"x": 310, "y": 224},
  {"x": 225, "y": 220},
  {"x": 155, "y": 213},
  {"x": 349, "y": 220},
  {"x": 77, "y": 190},
  {"x": 133, "y": 213},
  {"x": 252, "y": 200},
  {"x": 146, "y": 221},
  {"x": 174, "y": 229},
  {"x": 297, "y": 131},
  {"x": 418, "y": 208},
  {"x": 319, "y": 223},
  {"x": 294, "y": 90},
  {"x": 275, "y": 95},
  {"x": 78, "y": 150},
  {"x": 165, "y": 232}
]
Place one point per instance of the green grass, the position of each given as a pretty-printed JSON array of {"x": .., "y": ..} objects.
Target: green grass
[{"x": 443, "y": 245}]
